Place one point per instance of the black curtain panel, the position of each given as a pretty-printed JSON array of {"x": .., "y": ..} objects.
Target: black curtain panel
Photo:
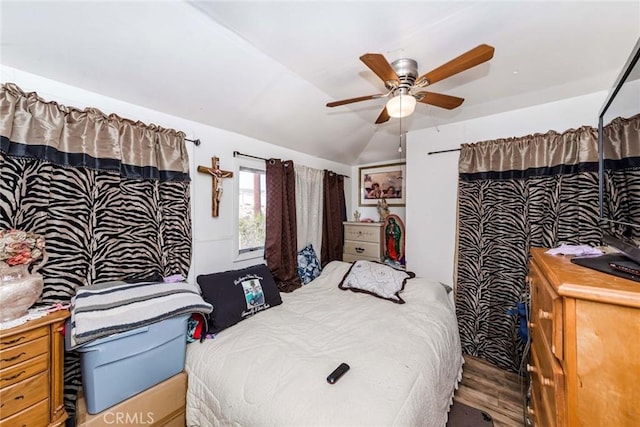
[
  {"x": 334, "y": 214},
  {"x": 280, "y": 249}
]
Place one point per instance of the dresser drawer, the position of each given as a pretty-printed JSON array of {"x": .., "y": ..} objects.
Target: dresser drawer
[
  {"x": 21, "y": 371},
  {"x": 547, "y": 378},
  {"x": 546, "y": 311},
  {"x": 22, "y": 395},
  {"x": 362, "y": 233},
  {"x": 362, "y": 249},
  {"x": 34, "y": 416},
  {"x": 22, "y": 352},
  {"x": 352, "y": 258},
  {"x": 11, "y": 341}
]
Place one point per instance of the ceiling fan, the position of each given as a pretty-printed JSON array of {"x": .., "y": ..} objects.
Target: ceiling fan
[{"x": 402, "y": 82}]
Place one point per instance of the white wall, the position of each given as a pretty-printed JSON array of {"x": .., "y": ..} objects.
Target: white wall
[
  {"x": 432, "y": 179},
  {"x": 213, "y": 238}
]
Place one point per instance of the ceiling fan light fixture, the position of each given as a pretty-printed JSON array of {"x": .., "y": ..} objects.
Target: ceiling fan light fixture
[{"x": 401, "y": 106}]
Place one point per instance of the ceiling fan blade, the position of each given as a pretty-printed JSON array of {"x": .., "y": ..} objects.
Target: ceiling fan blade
[
  {"x": 439, "y": 100},
  {"x": 352, "y": 100},
  {"x": 383, "y": 117},
  {"x": 379, "y": 65},
  {"x": 475, "y": 56}
]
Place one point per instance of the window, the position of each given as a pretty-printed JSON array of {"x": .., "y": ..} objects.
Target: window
[{"x": 251, "y": 205}]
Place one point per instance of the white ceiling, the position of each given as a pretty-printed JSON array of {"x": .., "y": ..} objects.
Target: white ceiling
[{"x": 266, "y": 69}]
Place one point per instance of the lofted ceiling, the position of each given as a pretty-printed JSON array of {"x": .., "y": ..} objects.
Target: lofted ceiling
[{"x": 266, "y": 69}]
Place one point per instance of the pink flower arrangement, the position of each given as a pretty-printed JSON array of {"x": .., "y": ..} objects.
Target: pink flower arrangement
[{"x": 20, "y": 247}]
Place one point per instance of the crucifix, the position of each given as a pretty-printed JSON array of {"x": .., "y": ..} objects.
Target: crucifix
[{"x": 216, "y": 176}]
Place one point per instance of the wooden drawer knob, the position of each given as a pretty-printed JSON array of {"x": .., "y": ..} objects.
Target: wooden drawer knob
[
  {"x": 532, "y": 325},
  {"x": 530, "y": 410},
  {"x": 544, "y": 314},
  {"x": 546, "y": 382}
]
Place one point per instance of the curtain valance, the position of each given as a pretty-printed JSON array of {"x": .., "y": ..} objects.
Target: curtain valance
[
  {"x": 552, "y": 153},
  {"x": 622, "y": 143},
  {"x": 33, "y": 128}
]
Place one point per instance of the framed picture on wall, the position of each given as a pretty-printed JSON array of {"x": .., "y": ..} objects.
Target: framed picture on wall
[{"x": 382, "y": 182}]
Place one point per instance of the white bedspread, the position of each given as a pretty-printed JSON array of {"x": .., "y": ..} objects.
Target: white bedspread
[{"x": 271, "y": 369}]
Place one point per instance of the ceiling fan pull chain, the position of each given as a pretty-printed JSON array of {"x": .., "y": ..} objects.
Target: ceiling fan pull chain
[{"x": 400, "y": 133}]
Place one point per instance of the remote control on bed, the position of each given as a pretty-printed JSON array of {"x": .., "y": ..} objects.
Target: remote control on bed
[{"x": 339, "y": 371}]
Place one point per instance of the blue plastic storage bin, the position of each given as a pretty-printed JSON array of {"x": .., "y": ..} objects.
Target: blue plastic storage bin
[{"x": 122, "y": 365}]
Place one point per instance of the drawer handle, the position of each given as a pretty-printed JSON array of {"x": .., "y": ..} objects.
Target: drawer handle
[
  {"x": 530, "y": 411},
  {"x": 14, "y": 357},
  {"x": 528, "y": 281},
  {"x": 531, "y": 368},
  {"x": 13, "y": 377},
  {"x": 546, "y": 381},
  {"x": 13, "y": 341},
  {"x": 359, "y": 250},
  {"x": 544, "y": 314}
]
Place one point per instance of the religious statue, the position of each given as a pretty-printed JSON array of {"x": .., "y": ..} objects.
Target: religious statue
[
  {"x": 394, "y": 241},
  {"x": 356, "y": 215},
  {"x": 393, "y": 234},
  {"x": 383, "y": 209}
]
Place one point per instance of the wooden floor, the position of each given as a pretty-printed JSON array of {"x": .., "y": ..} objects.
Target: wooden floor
[{"x": 496, "y": 392}]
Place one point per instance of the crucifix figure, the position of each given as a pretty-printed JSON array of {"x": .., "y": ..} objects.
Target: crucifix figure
[{"x": 216, "y": 176}]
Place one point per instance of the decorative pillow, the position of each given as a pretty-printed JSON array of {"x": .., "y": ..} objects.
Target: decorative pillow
[
  {"x": 308, "y": 264},
  {"x": 238, "y": 294},
  {"x": 374, "y": 278}
]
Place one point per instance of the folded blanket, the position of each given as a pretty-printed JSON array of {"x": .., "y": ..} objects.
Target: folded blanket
[{"x": 101, "y": 310}]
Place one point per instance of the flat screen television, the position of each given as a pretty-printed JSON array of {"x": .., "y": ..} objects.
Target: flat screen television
[{"x": 619, "y": 162}]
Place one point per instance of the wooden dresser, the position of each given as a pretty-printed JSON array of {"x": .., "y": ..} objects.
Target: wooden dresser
[
  {"x": 363, "y": 240},
  {"x": 585, "y": 352},
  {"x": 31, "y": 373}
]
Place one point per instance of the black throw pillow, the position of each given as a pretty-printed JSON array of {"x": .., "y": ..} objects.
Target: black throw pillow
[{"x": 238, "y": 294}]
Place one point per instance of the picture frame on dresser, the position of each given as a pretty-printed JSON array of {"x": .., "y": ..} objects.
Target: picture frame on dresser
[{"x": 382, "y": 182}]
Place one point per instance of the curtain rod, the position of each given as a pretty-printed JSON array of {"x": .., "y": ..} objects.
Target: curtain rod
[
  {"x": 196, "y": 142},
  {"x": 237, "y": 153},
  {"x": 443, "y": 151}
]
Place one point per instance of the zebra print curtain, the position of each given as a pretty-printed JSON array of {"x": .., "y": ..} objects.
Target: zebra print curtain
[
  {"x": 622, "y": 176},
  {"x": 539, "y": 190},
  {"x": 110, "y": 196}
]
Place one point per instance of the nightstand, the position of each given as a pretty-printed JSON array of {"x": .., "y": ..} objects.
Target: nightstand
[
  {"x": 363, "y": 240},
  {"x": 31, "y": 373}
]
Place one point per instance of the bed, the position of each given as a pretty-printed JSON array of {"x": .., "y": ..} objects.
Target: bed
[{"x": 271, "y": 368}]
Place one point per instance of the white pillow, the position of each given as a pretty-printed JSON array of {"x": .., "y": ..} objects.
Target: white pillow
[{"x": 377, "y": 279}]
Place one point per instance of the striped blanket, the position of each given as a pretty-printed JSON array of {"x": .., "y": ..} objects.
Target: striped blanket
[{"x": 101, "y": 310}]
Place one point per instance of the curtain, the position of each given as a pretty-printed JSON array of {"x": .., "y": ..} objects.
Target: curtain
[
  {"x": 309, "y": 213},
  {"x": 334, "y": 214},
  {"x": 280, "y": 222},
  {"x": 622, "y": 176},
  {"x": 110, "y": 196},
  {"x": 538, "y": 190}
]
